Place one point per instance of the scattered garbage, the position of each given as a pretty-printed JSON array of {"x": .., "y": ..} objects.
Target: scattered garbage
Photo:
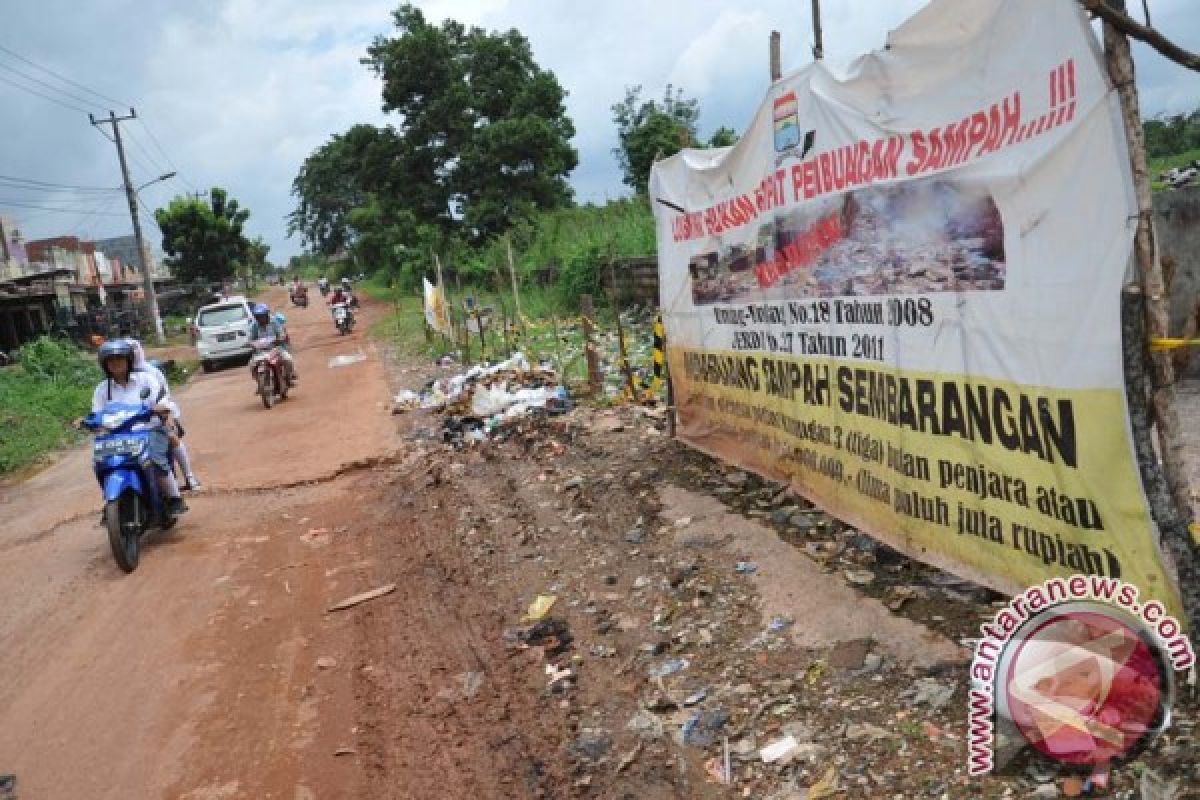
[
  {"x": 646, "y": 725},
  {"x": 351, "y": 602},
  {"x": 550, "y": 634},
  {"x": 487, "y": 398},
  {"x": 345, "y": 751},
  {"x": 703, "y": 728},
  {"x": 860, "y": 577},
  {"x": 780, "y": 750},
  {"x": 696, "y": 697},
  {"x": 407, "y": 400},
  {"x": 827, "y": 786},
  {"x": 540, "y": 607},
  {"x": 326, "y": 662},
  {"x": 746, "y": 567},
  {"x": 345, "y": 361},
  {"x": 592, "y": 744},
  {"x": 669, "y": 667},
  {"x": 779, "y": 623}
]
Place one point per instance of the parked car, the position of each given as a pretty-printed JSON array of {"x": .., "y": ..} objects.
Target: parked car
[{"x": 221, "y": 332}]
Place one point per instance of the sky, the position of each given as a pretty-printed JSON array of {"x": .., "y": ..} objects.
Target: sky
[{"x": 236, "y": 93}]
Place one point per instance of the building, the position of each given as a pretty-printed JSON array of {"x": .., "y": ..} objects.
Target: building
[{"x": 125, "y": 249}]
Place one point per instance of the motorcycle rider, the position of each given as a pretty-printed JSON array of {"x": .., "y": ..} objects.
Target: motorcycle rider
[
  {"x": 267, "y": 326},
  {"x": 175, "y": 431},
  {"x": 323, "y": 285},
  {"x": 123, "y": 383}
]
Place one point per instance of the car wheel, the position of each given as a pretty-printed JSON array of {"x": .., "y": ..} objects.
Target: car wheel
[{"x": 206, "y": 366}]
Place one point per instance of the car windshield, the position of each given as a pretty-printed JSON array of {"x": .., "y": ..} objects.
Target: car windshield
[{"x": 222, "y": 315}]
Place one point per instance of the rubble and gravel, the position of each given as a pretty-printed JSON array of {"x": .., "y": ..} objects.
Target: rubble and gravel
[{"x": 659, "y": 656}]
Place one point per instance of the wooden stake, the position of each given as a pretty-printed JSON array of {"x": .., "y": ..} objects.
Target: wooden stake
[
  {"x": 512, "y": 271},
  {"x": 818, "y": 45},
  {"x": 776, "y": 59},
  {"x": 625, "y": 368},
  {"x": 589, "y": 347}
]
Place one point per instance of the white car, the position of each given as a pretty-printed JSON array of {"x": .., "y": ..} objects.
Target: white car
[{"x": 221, "y": 331}]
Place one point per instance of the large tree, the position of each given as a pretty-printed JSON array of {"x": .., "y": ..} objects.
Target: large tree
[
  {"x": 204, "y": 240},
  {"x": 651, "y": 129},
  {"x": 336, "y": 179},
  {"x": 484, "y": 138}
]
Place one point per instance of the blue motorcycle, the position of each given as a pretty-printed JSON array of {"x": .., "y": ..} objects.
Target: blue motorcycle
[{"x": 128, "y": 475}]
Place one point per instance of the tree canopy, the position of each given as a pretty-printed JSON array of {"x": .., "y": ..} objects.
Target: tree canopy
[
  {"x": 651, "y": 129},
  {"x": 481, "y": 140},
  {"x": 204, "y": 240}
]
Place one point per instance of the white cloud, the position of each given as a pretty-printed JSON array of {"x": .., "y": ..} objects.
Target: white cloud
[{"x": 240, "y": 91}]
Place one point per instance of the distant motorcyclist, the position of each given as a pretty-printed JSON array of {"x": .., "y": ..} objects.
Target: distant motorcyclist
[
  {"x": 174, "y": 426},
  {"x": 323, "y": 285},
  {"x": 265, "y": 326},
  {"x": 124, "y": 384}
]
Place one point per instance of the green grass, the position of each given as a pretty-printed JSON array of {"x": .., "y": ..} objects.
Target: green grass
[
  {"x": 51, "y": 386},
  {"x": 1157, "y": 166}
]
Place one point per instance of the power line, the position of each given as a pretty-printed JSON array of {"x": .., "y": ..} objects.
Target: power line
[
  {"x": 11, "y": 82},
  {"x": 17, "y": 204},
  {"x": 48, "y": 186},
  {"x": 141, "y": 149},
  {"x": 49, "y": 86},
  {"x": 63, "y": 78}
]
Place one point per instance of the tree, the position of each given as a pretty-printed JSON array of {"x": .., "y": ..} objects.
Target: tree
[
  {"x": 203, "y": 240},
  {"x": 647, "y": 130},
  {"x": 723, "y": 137},
  {"x": 484, "y": 138},
  {"x": 336, "y": 179}
]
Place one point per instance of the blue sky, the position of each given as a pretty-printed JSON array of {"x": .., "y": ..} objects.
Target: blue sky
[{"x": 237, "y": 92}]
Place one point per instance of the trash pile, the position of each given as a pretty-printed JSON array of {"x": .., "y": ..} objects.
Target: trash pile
[{"x": 487, "y": 398}]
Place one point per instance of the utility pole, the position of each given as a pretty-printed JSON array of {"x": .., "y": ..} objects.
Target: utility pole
[
  {"x": 818, "y": 46},
  {"x": 131, "y": 196}
]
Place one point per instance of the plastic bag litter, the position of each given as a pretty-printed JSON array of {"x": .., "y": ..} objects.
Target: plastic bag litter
[{"x": 407, "y": 400}]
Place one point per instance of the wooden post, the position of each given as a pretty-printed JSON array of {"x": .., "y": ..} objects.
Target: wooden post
[
  {"x": 589, "y": 346},
  {"x": 818, "y": 44},
  {"x": 1177, "y": 543},
  {"x": 776, "y": 59},
  {"x": 512, "y": 271},
  {"x": 1171, "y": 509},
  {"x": 625, "y": 368},
  {"x": 558, "y": 359}
]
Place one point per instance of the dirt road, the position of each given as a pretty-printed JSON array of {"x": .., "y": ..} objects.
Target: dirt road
[{"x": 194, "y": 672}]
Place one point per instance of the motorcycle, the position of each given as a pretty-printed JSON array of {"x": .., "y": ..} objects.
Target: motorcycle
[
  {"x": 299, "y": 297},
  {"x": 133, "y": 502},
  {"x": 324, "y": 288},
  {"x": 343, "y": 318},
  {"x": 266, "y": 366}
]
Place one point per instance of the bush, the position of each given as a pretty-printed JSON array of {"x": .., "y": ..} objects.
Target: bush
[
  {"x": 51, "y": 386},
  {"x": 58, "y": 362}
]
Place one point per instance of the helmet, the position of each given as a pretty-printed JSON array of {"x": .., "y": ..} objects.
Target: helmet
[
  {"x": 115, "y": 348},
  {"x": 261, "y": 310}
]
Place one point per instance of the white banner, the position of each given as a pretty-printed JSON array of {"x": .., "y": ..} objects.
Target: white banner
[{"x": 900, "y": 291}]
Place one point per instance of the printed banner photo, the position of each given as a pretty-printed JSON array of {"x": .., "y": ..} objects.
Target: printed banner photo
[{"x": 900, "y": 293}]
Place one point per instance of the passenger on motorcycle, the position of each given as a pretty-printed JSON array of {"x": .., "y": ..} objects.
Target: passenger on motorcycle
[
  {"x": 175, "y": 425},
  {"x": 266, "y": 326},
  {"x": 124, "y": 384}
]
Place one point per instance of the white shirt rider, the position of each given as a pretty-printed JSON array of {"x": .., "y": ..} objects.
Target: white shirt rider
[{"x": 109, "y": 391}]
